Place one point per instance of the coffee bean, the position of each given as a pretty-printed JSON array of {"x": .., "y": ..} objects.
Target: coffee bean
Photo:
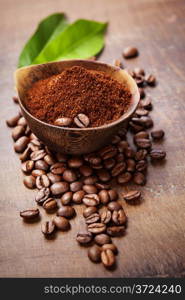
[
  {"x": 30, "y": 214},
  {"x": 35, "y": 145},
  {"x": 93, "y": 218},
  {"x": 132, "y": 195},
  {"x": 113, "y": 205},
  {"x": 66, "y": 211},
  {"x": 109, "y": 163},
  {"x": 97, "y": 167},
  {"x": 103, "y": 175},
  {"x": 102, "y": 239},
  {"x": 143, "y": 143},
  {"x": 61, "y": 223},
  {"x": 54, "y": 177},
  {"x": 129, "y": 152},
  {"x": 122, "y": 146},
  {"x": 111, "y": 247},
  {"x": 13, "y": 121},
  {"x": 90, "y": 189},
  {"x": 135, "y": 127},
  {"x": 84, "y": 237},
  {"x": 49, "y": 159},
  {"x": 141, "y": 165},
  {"x": 37, "y": 155},
  {"x": 141, "y": 92},
  {"x": 113, "y": 195},
  {"x": 21, "y": 144},
  {"x": 106, "y": 216},
  {"x": 36, "y": 173},
  {"x": 50, "y": 204},
  {"x": 107, "y": 258},
  {"x": 104, "y": 196},
  {"x": 157, "y": 134},
  {"x": 41, "y": 165},
  {"x": 69, "y": 175},
  {"x": 118, "y": 169},
  {"x": 76, "y": 186},
  {"x": 142, "y": 112},
  {"x": 130, "y": 52},
  {"x": 108, "y": 152},
  {"x": 96, "y": 228},
  {"x": 139, "y": 178},
  {"x": 151, "y": 80},
  {"x": 139, "y": 72},
  {"x": 157, "y": 154},
  {"x": 124, "y": 178},
  {"x": 42, "y": 182},
  {"x": 22, "y": 122},
  {"x": 17, "y": 132},
  {"x": 58, "y": 168},
  {"x": 146, "y": 103},
  {"x": 115, "y": 230},
  {"x": 141, "y": 154},
  {"x": 141, "y": 135},
  {"x": 102, "y": 186},
  {"x": 75, "y": 162},
  {"x": 144, "y": 121},
  {"x": 25, "y": 155},
  {"x": 94, "y": 254},
  {"x": 29, "y": 182},
  {"x": 64, "y": 121},
  {"x": 119, "y": 217},
  {"x": 91, "y": 200},
  {"x": 139, "y": 80},
  {"x": 90, "y": 180},
  {"x": 130, "y": 165},
  {"x": 88, "y": 211},
  {"x": 27, "y": 166},
  {"x": 86, "y": 170},
  {"x": 47, "y": 227},
  {"x": 94, "y": 159},
  {"x": 81, "y": 120},
  {"x": 66, "y": 198},
  {"x": 58, "y": 188},
  {"x": 42, "y": 195},
  {"x": 78, "y": 196}
]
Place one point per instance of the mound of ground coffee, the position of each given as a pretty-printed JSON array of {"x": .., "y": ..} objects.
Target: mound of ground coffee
[{"x": 78, "y": 91}]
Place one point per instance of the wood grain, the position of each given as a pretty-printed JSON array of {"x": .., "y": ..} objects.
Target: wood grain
[{"x": 155, "y": 239}]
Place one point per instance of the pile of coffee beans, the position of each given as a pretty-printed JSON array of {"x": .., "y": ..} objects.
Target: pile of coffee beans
[{"x": 63, "y": 180}]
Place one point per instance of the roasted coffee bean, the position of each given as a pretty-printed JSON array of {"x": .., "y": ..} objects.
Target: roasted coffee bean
[
  {"x": 76, "y": 186},
  {"x": 94, "y": 160},
  {"x": 94, "y": 254},
  {"x": 58, "y": 168},
  {"x": 66, "y": 211},
  {"x": 122, "y": 146},
  {"x": 118, "y": 169},
  {"x": 115, "y": 230},
  {"x": 132, "y": 195},
  {"x": 141, "y": 154},
  {"x": 61, "y": 223},
  {"x": 130, "y": 52},
  {"x": 109, "y": 163},
  {"x": 64, "y": 121},
  {"x": 37, "y": 155},
  {"x": 139, "y": 80},
  {"x": 105, "y": 216},
  {"x": 78, "y": 196},
  {"x": 29, "y": 182},
  {"x": 130, "y": 165},
  {"x": 143, "y": 143},
  {"x": 42, "y": 182},
  {"x": 141, "y": 92},
  {"x": 124, "y": 178},
  {"x": 115, "y": 140},
  {"x": 157, "y": 154},
  {"x": 22, "y": 122},
  {"x": 13, "y": 121},
  {"x": 86, "y": 170},
  {"x": 47, "y": 227},
  {"x": 144, "y": 121},
  {"x": 49, "y": 159},
  {"x": 104, "y": 196},
  {"x": 88, "y": 211},
  {"x": 97, "y": 167},
  {"x": 141, "y": 165},
  {"x": 96, "y": 228},
  {"x": 108, "y": 152},
  {"x": 42, "y": 195},
  {"x": 30, "y": 214},
  {"x": 119, "y": 217},
  {"x": 139, "y": 178},
  {"x": 75, "y": 162},
  {"x": 21, "y": 144},
  {"x": 142, "y": 112},
  {"x": 135, "y": 127},
  {"x": 113, "y": 195},
  {"x": 90, "y": 189},
  {"x": 93, "y": 218},
  {"x": 120, "y": 157},
  {"x": 36, "y": 173},
  {"x": 27, "y": 166},
  {"x": 54, "y": 177},
  {"x": 81, "y": 120},
  {"x": 69, "y": 175},
  {"x": 129, "y": 152},
  {"x": 141, "y": 135},
  {"x": 151, "y": 80},
  {"x": 103, "y": 175},
  {"x": 102, "y": 186},
  {"x": 50, "y": 204},
  {"x": 102, "y": 239},
  {"x": 139, "y": 72},
  {"x": 91, "y": 200},
  {"x": 58, "y": 188},
  {"x": 84, "y": 237},
  {"x": 41, "y": 165},
  {"x": 90, "y": 180},
  {"x": 17, "y": 132},
  {"x": 146, "y": 103},
  {"x": 113, "y": 205},
  {"x": 157, "y": 134},
  {"x": 35, "y": 145},
  {"x": 66, "y": 198},
  {"x": 111, "y": 247},
  {"x": 108, "y": 258},
  {"x": 25, "y": 155}
]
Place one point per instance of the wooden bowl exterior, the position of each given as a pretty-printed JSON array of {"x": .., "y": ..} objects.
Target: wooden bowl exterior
[{"x": 73, "y": 140}]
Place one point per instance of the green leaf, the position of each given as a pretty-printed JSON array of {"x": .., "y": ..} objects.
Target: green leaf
[
  {"x": 47, "y": 30},
  {"x": 82, "y": 39}
]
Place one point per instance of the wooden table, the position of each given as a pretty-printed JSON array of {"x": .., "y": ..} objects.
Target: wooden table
[{"x": 155, "y": 239}]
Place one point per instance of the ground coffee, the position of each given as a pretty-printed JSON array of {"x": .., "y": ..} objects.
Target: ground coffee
[{"x": 78, "y": 91}]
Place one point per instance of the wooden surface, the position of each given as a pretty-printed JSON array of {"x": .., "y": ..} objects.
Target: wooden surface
[{"x": 155, "y": 239}]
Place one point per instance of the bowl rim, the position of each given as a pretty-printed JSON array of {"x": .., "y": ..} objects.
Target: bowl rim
[{"x": 124, "y": 117}]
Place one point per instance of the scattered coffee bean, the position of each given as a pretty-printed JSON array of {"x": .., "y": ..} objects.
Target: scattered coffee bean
[
  {"x": 66, "y": 211},
  {"x": 76, "y": 186},
  {"x": 54, "y": 177},
  {"x": 102, "y": 239},
  {"x": 115, "y": 230},
  {"x": 37, "y": 155},
  {"x": 58, "y": 168},
  {"x": 104, "y": 186},
  {"x": 141, "y": 165},
  {"x": 58, "y": 188},
  {"x": 90, "y": 180},
  {"x": 36, "y": 173},
  {"x": 119, "y": 217},
  {"x": 157, "y": 154},
  {"x": 132, "y": 195},
  {"x": 141, "y": 135},
  {"x": 90, "y": 189},
  {"x": 22, "y": 122},
  {"x": 111, "y": 247},
  {"x": 118, "y": 169},
  {"x": 61, "y": 223},
  {"x": 63, "y": 122},
  {"x": 96, "y": 228},
  {"x": 41, "y": 165},
  {"x": 88, "y": 211},
  {"x": 69, "y": 175},
  {"x": 146, "y": 103},
  {"x": 94, "y": 254},
  {"x": 42, "y": 182},
  {"x": 93, "y": 218},
  {"x": 104, "y": 196},
  {"x": 29, "y": 182},
  {"x": 143, "y": 143},
  {"x": 29, "y": 214},
  {"x": 50, "y": 204},
  {"x": 75, "y": 162},
  {"x": 91, "y": 200},
  {"x": 17, "y": 132},
  {"x": 139, "y": 72},
  {"x": 130, "y": 52},
  {"x": 107, "y": 258},
  {"x": 78, "y": 196},
  {"x": 106, "y": 216},
  {"x": 124, "y": 178},
  {"x": 151, "y": 80},
  {"x": 13, "y": 121},
  {"x": 84, "y": 237},
  {"x": 27, "y": 166},
  {"x": 114, "y": 206},
  {"x": 86, "y": 170},
  {"x": 42, "y": 195},
  {"x": 141, "y": 154},
  {"x": 108, "y": 152},
  {"x": 81, "y": 120},
  {"x": 66, "y": 198},
  {"x": 47, "y": 227},
  {"x": 21, "y": 144},
  {"x": 157, "y": 134},
  {"x": 142, "y": 112},
  {"x": 130, "y": 165},
  {"x": 139, "y": 178},
  {"x": 25, "y": 155},
  {"x": 103, "y": 175}
]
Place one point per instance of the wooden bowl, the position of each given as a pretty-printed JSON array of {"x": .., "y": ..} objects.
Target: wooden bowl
[{"x": 73, "y": 140}]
